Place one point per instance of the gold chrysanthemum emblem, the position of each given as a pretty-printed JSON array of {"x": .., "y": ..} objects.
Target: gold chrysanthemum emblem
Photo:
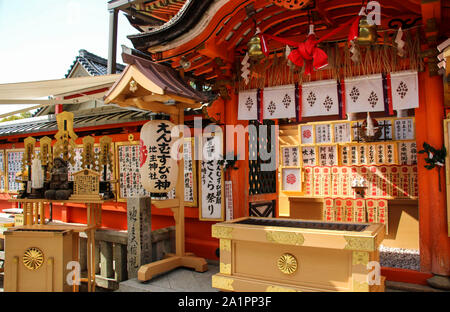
[
  {"x": 287, "y": 264},
  {"x": 33, "y": 258}
]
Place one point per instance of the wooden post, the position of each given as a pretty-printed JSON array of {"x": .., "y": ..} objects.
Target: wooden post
[
  {"x": 434, "y": 242},
  {"x": 42, "y": 212},
  {"x": 178, "y": 212},
  {"x": 139, "y": 221},
  {"x": 148, "y": 271}
]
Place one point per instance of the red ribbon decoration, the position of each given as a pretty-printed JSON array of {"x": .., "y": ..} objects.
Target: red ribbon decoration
[{"x": 307, "y": 52}]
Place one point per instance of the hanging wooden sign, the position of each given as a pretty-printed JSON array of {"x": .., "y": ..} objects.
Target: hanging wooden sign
[
  {"x": 229, "y": 200},
  {"x": 190, "y": 173},
  {"x": 309, "y": 156},
  {"x": 407, "y": 153},
  {"x": 128, "y": 161},
  {"x": 14, "y": 166},
  {"x": 323, "y": 133},
  {"x": 212, "y": 195},
  {"x": 290, "y": 156},
  {"x": 2, "y": 172},
  {"x": 292, "y": 180},
  {"x": 158, "y": 168},
  {"x": 65, "y": 137},
  {"x": 88, "y": 155},
  {"x": 307, "y": 134},
  {"x": 86, "y": 185},
  {"x": 342, "y": 133},
  {"x": 328, "y": 155},
  {"x": 404, "y": 129}
]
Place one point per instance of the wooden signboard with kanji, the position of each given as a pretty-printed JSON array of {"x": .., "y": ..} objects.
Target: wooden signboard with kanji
[
  {"x": 212, "y": 197},
  {"x": 86, "y": 185}
]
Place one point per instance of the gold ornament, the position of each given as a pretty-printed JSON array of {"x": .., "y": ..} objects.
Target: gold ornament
[
  {"x": 359, "y": 243},
  {"x": 286, "y": 238},
  {"x": 33, "y": 258},
  {"x": 225, "y": 245},
  {"x": 367, "y": 32},
  {"x": 254, "y": 48},
  {"x": 221, "y": 232},
  {"x": 225, "y": 268},
  {"x": 133, "y": 86},
  {"x": 287, "y": 264},
  {"x": 65, "y": 138},
  {"x": 221, "y": 282},
  {"x": 279, "y": 289}
]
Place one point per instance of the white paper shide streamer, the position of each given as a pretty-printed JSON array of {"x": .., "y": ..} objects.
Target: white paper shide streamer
[
  {"x": 245, "y": 69},
  {"x": 400, "y": 43}
]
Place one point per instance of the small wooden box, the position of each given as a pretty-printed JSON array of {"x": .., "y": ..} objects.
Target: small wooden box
[
  {"x": 264, "y": 254},
  {"x": 36, "y": 259}
]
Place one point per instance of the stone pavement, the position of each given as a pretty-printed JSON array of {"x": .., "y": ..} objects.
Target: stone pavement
[
  {"x": 186, "y": 280},
  {"x": 178, "y": 280}
]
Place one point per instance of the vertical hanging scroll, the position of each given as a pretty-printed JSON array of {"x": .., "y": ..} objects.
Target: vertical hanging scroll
[{"x": 212, "y": 197}]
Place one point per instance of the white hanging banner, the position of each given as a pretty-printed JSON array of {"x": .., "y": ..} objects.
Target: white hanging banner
[
  {"x": 405, "y": 90},
  {"x": 279, "y": 102},
  {"x": 248, "y": 105},
  {"x": 364, "y": 94},
  {"x": 320, "y": 98}
]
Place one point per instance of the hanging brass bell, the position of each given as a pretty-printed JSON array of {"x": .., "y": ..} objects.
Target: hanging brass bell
[
  {"x": 367, "y": 32},
  {"x": 254, "y": 48}
]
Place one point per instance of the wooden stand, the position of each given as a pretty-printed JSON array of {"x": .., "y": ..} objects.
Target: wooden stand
[
  {"x": 94, "y": 217},
  {"x": 181, "y": 258},
  {"x": 141, "y": 89}
]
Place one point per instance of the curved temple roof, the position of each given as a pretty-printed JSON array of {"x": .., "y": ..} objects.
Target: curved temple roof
[{"x": 223, "y": 28}]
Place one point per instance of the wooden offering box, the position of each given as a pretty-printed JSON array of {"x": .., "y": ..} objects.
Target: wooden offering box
[
  {"x": 264, "y": 254},
  {"x": 36, "y": 259}
]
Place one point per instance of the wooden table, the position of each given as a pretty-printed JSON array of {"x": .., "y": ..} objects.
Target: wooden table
[{"x": 34, "y": 217}]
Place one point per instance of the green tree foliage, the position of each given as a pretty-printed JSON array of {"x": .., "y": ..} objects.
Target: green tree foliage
[{"x": 17, "y": 117}]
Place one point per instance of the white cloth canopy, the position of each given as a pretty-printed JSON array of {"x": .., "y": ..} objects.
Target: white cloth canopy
[
  {"x": 39, "y": 92},
  {"x": 59, "y": 87}
]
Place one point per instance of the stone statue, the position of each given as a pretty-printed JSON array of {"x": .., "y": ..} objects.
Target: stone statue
[{"x": 59, "y": 181}]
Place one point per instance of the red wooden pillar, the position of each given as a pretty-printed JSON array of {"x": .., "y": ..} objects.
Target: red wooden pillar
[
  {"x": 58, "y": 109},
  {"x": 434, "y": 240}
]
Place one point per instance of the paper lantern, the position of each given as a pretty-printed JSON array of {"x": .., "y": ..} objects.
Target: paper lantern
[{"x": 158, "y": 169}]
